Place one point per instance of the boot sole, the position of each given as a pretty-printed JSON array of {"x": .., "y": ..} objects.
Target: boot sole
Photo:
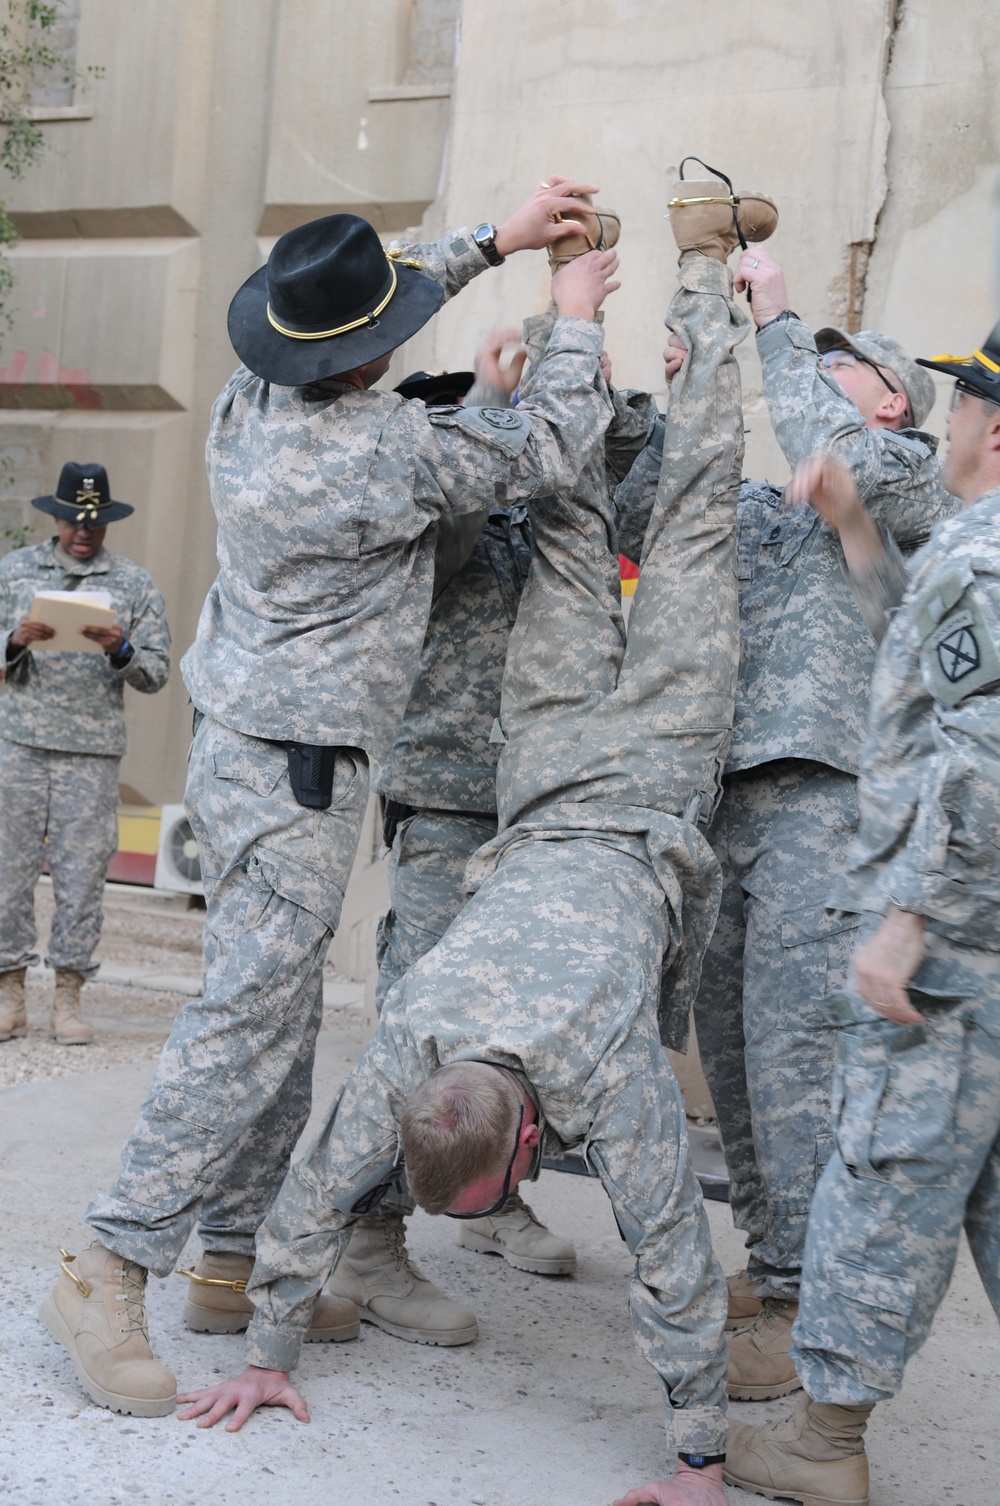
[
  {"x": 446, "y": 1339},
  {"x": 204, "y": 1320},
  {"x": 539, "y": 1266},
  {"x": 77, "y": 1040},
  {"x": 14, "y": 1035},
  {"x": 134, "y": 1406},
  {"x": 763, "y": 1393},
  {"x": 804, "y": 1497}
]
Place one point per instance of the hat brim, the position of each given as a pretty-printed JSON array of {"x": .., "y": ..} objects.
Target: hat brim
[
  {"x": 449, "y": 383},
  {"x": 294, "y": 363},
  {"x": 69, "y": 511},
  {"x": 969, "y": 372}
]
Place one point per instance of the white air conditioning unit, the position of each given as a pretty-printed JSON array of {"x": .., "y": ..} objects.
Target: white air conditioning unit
[{"x": 177, "y": 865}]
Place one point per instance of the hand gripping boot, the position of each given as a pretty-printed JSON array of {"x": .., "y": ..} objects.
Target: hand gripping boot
[
  {"x": 601, "y": 232},
  {"x": 376, "y": 1274},
  {"x": 13, "y": 1015},
  {"x": 707, "y": 217},
  {"x": 815, "y": 1456},
  {"x": 522, "y": 1240},
  {"x": 744, "y": 1303},
  {"x": 216, "y": 1301},
  {"x": 97, "y": 1312},
  {"x": 760, "y": 1362},
  {"x": 69, "y": 1028}
]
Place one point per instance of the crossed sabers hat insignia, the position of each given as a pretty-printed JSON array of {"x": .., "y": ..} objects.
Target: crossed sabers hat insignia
[{"x": 90, "y": 501}]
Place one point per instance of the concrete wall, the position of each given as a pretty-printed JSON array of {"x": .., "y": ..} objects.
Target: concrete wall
[{"x": 217, "y": 125}]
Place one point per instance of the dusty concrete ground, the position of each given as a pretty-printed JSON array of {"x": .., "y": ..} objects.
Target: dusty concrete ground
[{"x": 550, "y": 1405}]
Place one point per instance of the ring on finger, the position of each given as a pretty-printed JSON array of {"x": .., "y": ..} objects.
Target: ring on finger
[
  {"x": 545, "y": 185},
  {"x": 755, "y": 263}
]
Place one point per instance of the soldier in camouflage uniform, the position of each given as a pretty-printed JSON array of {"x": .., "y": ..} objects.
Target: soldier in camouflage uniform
[
  {"x": 789, "y": 807},
  {"x": 599, "y": 875},
  {"x": 62, "y": 736},
  {"x": 440, "y": 785},
  {"x": 916, "y": 1105},
  {"x": 328, "y": 494}
]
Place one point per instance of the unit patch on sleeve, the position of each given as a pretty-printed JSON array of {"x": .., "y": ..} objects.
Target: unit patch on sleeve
[{"x": 958, "y": 654}]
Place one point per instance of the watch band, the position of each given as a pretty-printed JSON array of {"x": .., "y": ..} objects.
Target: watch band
[
  {"x": 485, "y": 237},
  {"x": 701, "y": 1461}
]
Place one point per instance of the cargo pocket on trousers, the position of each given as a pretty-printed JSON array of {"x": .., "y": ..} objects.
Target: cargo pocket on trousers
[
  {"x": 862, "y": 1315},
  {"x": 859, "y": 1080}
]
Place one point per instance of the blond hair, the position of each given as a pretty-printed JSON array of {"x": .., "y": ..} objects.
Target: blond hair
[{"x": 458, "y": 1127}]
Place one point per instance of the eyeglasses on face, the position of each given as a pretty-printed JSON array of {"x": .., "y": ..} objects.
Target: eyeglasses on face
[
  {"x": 831, "y": 359},
  {"x": 962, "y": 389},
  {"x": 495, "y": 1207}
]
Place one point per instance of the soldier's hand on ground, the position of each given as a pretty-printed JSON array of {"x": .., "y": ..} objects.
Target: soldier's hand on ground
[
  {"x": 673, "y": 357},
  {"x": 766, "y": 281},
  {"x": 882, "y": 966},
  {"x": 537, "y": 224},
  {"x": 581, "y": 286},
  {"x": 490, "y": 355},
  {"x": 689, "y": 1487},
  {"x": 242, "y": 1396},
  {"x": 109, "y": 638},
  {"x": 28, "y": 632}
]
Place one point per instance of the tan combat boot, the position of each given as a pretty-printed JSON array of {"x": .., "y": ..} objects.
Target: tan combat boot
[
  {"x": 522, "y": 1240},
  {"x": 707, "y": 217},
  {"x": 68, "y": 1025},
  {"x": 744, "y": 1303},
  {"x": 375, "y": 1273},
  {"x": 13, "y": 1015},
  {"x": 216, "y": 1302},
  {"x": 97, "y": 1312},
  {"x": 815, "y": 1456},
  {"x": 601, "y": 232},
  {"x": 760, "y": 1364}
]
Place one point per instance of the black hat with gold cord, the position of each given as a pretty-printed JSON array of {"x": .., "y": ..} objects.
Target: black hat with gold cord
[
  {"x": 330, "y": 298},
  {"x": 978, "y": 373},
  {"x": 83, "y": 496}
]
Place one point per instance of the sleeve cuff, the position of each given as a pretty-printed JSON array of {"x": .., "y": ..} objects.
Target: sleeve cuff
[
  {"x": 272, "y": 1348},
  {"x": 572, "y": 334},
  {"x": 784, "y": 332}
]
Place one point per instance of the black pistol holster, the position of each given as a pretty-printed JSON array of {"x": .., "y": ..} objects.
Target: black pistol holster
[{"x": 310, "y": 774}]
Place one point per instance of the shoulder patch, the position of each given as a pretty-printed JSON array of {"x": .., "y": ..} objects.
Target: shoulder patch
[
  {"x": 958, "y": 652},
  {"x": 505, "y": 428}
]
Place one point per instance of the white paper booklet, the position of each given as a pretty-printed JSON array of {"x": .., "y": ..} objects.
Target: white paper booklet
[{"x": 68, "y": 612}]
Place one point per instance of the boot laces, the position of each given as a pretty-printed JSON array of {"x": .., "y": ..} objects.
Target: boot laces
[
  {"x": 133, "y": 1295},
  {"x": 395, "y": 1240}
]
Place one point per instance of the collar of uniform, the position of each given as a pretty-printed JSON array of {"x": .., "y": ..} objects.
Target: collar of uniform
[
  {"x": 99, "y": 565},
  {"x": 985, "y": 509}
]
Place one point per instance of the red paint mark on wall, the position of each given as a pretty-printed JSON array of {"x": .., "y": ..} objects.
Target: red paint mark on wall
[
  {"x": 48, "y": 366},
  {"x": 13, "y": 373},
  {"x": 76, "y": 379}
]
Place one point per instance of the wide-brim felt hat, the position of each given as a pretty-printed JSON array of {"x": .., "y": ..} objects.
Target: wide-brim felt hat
[
  {"x": 83, "y": 495},
  {"x": 883, "y": 350},
  {"x": 979, "y": 373},
  {"x": 330, "y": 298},
  {"x": 436, "y": 387}
]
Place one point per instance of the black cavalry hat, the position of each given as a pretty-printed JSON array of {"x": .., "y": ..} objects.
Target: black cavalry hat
[
  {"x": 437, "y": 387},
  {"x": 978, "y": 373},
  {"x": 330, "y": 298},
  {"x": 83, "y": 496}
]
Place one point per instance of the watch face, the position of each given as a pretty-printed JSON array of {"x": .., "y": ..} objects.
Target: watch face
[{"x": 483, "y": 233}]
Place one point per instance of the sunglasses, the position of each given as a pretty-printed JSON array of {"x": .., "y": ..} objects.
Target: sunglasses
[
  {"x": 495, "y": 1207},
  {"x": 831, "y": 359},
  {"x": 962, "y": 389}
]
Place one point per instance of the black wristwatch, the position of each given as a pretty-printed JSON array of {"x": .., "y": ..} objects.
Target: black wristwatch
[
  {"x": 700, "y": 1461},
  {"x": 485, "y": 237},
  {"x": 781, "y": 318},
  {"x": 123, "y": 656}
]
